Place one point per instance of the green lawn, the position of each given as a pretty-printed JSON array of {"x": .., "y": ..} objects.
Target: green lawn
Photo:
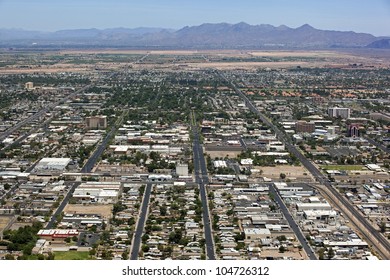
[
  {"x": 342, "y": 167},
  {"x": 71, "y": 255}
]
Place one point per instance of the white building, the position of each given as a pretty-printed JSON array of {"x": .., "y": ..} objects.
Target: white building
[
  {"x": 257, "y": 233},
  {"x": 344, "y": 113},
  {"x": 29, "y": 85},
  {"x": 182, "y": 169},
  {"x": 98, "y": 192},
  {"x": 301, "y": 206},
  {"x": 220, "y": 163}
]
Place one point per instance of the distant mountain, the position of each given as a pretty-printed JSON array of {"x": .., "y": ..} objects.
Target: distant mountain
[
  {"x": 96, "y": 33},
  {"x": 7, "y": 35},
  {"x": 380, "y": 44},
  {"x": 220, "y": 35},
  {"x": 246, "y": 35}
]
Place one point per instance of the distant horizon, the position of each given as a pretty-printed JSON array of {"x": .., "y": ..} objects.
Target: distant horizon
[
  {"x": 372, "y": 17},
  {"x": 176, "y": 29}
]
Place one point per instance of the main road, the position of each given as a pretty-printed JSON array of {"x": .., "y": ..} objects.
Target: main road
[
  {"x": 309, "y": 251},
  {"x": 379, "y": 145},
  {"x": 137, "y": 237},
  {"x": 202, "y": 179},
  {"x": 87, "y": 168},
  {"x": 376, "y": 239},
  {"x": 41, "y": 112}
]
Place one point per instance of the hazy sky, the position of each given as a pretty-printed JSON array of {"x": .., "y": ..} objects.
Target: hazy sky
[{"x": 371, "y": 16}]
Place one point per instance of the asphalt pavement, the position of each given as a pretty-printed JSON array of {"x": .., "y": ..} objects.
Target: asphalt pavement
[
  {"x": 293, "y": 225},
  {"x": 201, "y": 178},
  {"x": 137, "y": 238},
  {"x": 374, "y": 236}
]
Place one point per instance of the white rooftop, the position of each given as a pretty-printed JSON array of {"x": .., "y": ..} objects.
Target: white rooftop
[{"x": 52, "y": 164}]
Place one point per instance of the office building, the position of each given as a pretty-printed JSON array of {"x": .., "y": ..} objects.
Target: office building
[
  {"x": 96, "y": 122},
  {"x": 303, "y": 126},
  {"x": 344, "y": 113},
  {"x": 353, "y": 130}
]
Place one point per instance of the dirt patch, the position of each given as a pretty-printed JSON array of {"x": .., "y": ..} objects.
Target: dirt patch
[
  {"x": 298, "y": 172},
  {"x": 4, "y": 220},
  {"x": 295, "y": 54},
  {"x": 16, "y": 226},
  {"x": 294, "y": 254},
  {"x": 247, "y": 65},
  {"x": 223, "y": 154},
  {"x": 104, "y": 210}
]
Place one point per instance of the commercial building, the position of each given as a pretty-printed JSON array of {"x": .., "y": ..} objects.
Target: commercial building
[
  {"x": 353, "y": 130},
  {"x": 57, "y": 234},
  {"x": 344, "y": 113},
  {"x": 98, "y": 192},
  {"x": 182, "y": 169},
  {"x": 29, "y": 85},
  {"x": 256, "y": 233},
  {"x": 96, "y": 122},
  {"x": 303, "y": 126},
  {"x": 48, "y": 168}
]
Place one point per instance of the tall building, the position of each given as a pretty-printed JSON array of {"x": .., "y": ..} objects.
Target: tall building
[
  {"x": 344, "y": 113},
  {"x": 96, "y": 122},
  {"x": 303, "y": 126},
  {"x": 353, "y": 130}
]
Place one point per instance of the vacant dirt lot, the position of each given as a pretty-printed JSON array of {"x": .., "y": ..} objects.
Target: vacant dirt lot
[
  {"x": 298, "y": 172},
  {"x": 198, "y": 60},
  {"x": 295, "y": 254},
  {"x": 16, "y": 226},
  {"x": 295, "y": 54},
  {"x": 103, "y": 210},
  {"x": 247, "y": 65},
  {"x": 223, "y": 154},
  {"x": 4, "y": 221}
]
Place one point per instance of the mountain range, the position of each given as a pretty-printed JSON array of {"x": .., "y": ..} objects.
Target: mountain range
[{"x": 214, "y": 36}]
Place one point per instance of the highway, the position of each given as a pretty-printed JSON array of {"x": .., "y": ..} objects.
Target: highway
[
  {"x": 309, "y": 251},
  {"x": 376, "y": 239},
  {"x": 137, "y": 237},
  {"x": 201, "y": 178}
]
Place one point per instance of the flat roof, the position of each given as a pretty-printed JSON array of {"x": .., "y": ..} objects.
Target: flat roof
[{"x": 52, "y": 163}]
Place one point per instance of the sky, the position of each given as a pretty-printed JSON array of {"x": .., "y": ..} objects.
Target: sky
[{"x": 371, "y": 16}]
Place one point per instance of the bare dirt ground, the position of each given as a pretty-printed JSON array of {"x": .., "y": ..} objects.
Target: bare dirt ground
[
  {"x": 296, "y": 53},
  {"x": 247, "y": 65},
  {"x": 56, "y": 68},
  {"x": 223, "y": 154},
  {"x": 103, "y": 210},
  {"x": 4, "y": 221},
  {"x": 16, "y": 226},
  {"x": 213, "y": 59},
  {"x": 216, "y": 59},
  {"x": 294, "y": 254},
  {"x": 298, "y": 172}
]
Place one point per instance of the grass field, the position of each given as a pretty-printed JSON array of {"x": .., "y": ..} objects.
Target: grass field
[
  {"x": 71, "y": 255},
  {"x": 342, "y": 167}
]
